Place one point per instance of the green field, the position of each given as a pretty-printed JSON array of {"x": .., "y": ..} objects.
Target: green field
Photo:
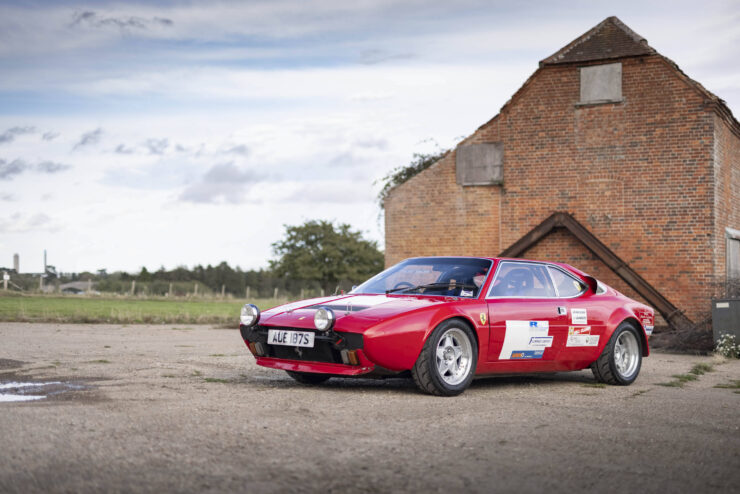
[{"x": 80, "y": 309}]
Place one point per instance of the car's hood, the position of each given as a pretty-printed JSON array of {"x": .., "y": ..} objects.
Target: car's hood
[{"x": 367, "y": 308}]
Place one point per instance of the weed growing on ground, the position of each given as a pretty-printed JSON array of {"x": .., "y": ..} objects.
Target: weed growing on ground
[
  {"x": 734, "y": 384},
  {"x": 216, "y": 380},
  {"x": 701, "y": 368},
  {"x": 594, "y": 385},
  {"x": 99, "y": 361},
  {"x": 217, "y": 355}
]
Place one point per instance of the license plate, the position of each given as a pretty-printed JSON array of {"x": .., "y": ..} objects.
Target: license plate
[{"x": 290, "y": 338}]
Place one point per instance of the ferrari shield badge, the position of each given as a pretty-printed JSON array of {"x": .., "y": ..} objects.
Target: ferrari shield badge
[{"x": 483, "y": 318}]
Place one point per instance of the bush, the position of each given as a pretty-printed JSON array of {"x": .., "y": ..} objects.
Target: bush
[{"x": 727, "y": 346}]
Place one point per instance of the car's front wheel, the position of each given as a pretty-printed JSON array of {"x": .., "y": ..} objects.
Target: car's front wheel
[
  {"x": 447, "y": 362},
  {"x": 621, "y": 359},
  {"x": 308, "y": 377}
]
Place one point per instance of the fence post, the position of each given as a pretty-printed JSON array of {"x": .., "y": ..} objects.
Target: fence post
[
  {"x": 248, "y": 292},
  {"x": 169, "y": 292},
  {"x": 6, "y": 277},
  {"x": 89, "y": 285},
  {"x": 275, "y": 293},
  {"x": 301, "y": 293},
  {"x": 133, "y": 287},
  {"x": 41, "y": 283},
  {"x": 322, "y": 292},
  {"x": 223, "y": 291},
  {"x": 195, "y": 290}
]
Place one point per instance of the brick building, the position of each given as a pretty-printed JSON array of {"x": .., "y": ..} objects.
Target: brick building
[{"x": 609, "y": 158}]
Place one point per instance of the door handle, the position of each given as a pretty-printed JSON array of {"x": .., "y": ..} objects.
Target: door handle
[{"x": 562, "y": 311}]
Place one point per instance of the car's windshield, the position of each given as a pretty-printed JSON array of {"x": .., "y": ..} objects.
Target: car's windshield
[{"x": 452, "y": 276}]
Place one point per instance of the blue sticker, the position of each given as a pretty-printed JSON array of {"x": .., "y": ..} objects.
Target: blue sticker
[{"x": 527, "y": 354}]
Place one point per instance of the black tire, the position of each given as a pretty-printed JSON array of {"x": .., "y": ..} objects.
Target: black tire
[
  {"x": 308, "y": 377},
  {"x": 607, "y": 369},
  {"x": 426, "y": 373}
]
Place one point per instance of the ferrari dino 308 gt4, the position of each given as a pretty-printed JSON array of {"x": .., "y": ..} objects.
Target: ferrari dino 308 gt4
[{"x": 446, "y": 320}]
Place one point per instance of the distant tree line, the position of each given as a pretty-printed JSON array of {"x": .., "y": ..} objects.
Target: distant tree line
[{"x": 315, "y": 257}]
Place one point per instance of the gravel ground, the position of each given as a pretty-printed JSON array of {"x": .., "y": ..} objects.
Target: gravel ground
[{"x": 185, "y": 409}]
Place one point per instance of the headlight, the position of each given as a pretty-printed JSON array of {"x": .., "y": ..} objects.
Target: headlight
[
  {"x": 323, "y": 319},
  {"x": 250, "y": 315}
]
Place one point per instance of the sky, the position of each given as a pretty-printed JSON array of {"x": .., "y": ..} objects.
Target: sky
[{"x": 181, "y": 133}]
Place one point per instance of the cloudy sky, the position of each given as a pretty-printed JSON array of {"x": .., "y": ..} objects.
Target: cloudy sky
[{"x": 181, "y": 133}]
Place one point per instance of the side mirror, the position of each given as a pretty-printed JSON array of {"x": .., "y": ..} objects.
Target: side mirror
[{"x": 592, "y": 283}]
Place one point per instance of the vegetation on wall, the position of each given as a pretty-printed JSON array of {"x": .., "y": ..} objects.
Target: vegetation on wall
[{"x": 401, "y": 174}]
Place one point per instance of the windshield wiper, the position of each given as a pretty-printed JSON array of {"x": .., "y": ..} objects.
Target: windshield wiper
[{"x": 453, "y": 285}]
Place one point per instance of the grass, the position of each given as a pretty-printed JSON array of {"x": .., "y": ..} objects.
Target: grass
[
  {"x": 216, "y": 380},
  {"x": 99, "y": 361},
  {"x": 131, "y": 310},
  {"x": 734, "y": 384},
  {"x": 594, "y": 385},
  {"x": 680, "y": 379}
]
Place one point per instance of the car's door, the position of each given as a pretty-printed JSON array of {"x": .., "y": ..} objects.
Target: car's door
[
  {"x": 587, "y": 316},
  {"x": 526, "y": 322}
]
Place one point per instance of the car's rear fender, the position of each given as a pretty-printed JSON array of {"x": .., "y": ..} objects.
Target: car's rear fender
[{"x": 623, "y": 315}]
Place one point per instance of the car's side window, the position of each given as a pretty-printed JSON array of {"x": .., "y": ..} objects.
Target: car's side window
[
  {"x": 520, "y": 279},
  {"x": 567, "y": 285}
]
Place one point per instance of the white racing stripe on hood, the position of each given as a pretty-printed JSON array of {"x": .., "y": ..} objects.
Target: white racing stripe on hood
[{"x": 364, "y": 300}]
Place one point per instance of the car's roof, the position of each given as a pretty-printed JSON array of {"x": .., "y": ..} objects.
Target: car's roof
[{"x": 515, "y": 259}]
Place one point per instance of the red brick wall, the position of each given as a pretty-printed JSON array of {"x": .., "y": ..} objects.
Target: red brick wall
[
  {"x": 727, "y": 191},
  {"x": 638, "y": 174}
]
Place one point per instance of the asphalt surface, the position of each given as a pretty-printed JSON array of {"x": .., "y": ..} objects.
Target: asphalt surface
[{"x": 185, "y": 409}]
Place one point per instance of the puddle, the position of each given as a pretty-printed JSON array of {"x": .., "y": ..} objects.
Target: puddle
[{"x": 30, "y": 391}]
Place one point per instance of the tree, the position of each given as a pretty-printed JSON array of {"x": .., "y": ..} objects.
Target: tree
[{"x": 319, "y": 251}]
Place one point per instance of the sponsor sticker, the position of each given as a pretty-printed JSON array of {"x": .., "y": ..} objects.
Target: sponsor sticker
[
  {"x": 540, "y": 342},
  {"x": 649, "y": 330},
  {"x": 578, "y": 316},
  {"x": 581, "y": 336},
  {"x": 466, "y": 293},
  {"x": 525, "y": 339},
  {"x": 527, "y": 354},
  {"x": 483, "y": 318}
]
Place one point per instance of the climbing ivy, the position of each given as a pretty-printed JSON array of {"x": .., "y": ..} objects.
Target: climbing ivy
[{"x": 401, "y": 174}]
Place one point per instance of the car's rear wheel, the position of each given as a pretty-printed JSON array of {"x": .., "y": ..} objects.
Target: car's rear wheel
[
  {"x": 446, "y": 365},
  {"x": 308, "y": 377},
  {"x": 621, "y": 359}
]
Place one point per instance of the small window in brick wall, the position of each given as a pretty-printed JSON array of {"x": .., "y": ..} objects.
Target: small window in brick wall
[
  {"x": 480, "y": 164},
  {"x": 601, "y": 84}
]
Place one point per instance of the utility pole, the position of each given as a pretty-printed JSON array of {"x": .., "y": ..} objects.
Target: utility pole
[
  {"x": 248, "y": 292},
  {"x": 133, "y": 287}
]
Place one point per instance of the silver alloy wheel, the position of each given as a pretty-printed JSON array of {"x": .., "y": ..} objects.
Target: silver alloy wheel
[
  {"x": 454, "y": 354},
  {"x": 626, "y": 354}
]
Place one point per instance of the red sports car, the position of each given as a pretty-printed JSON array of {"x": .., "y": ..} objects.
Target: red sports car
[{"x": 446, "y": 320}]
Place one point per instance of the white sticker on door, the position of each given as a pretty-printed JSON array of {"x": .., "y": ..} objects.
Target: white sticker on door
[
  {"x": 525, "y": 339},
  {"x": 578, "y": 316},
  {"x": 581, "y": 336}
]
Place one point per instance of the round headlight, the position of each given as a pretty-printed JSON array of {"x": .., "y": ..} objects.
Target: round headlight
[
  {"x": 323, "y": 319},
  {"x": 250, "y": 315}
]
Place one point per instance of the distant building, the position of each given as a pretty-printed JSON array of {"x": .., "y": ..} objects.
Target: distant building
[{"x": 609, "y": 158}]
